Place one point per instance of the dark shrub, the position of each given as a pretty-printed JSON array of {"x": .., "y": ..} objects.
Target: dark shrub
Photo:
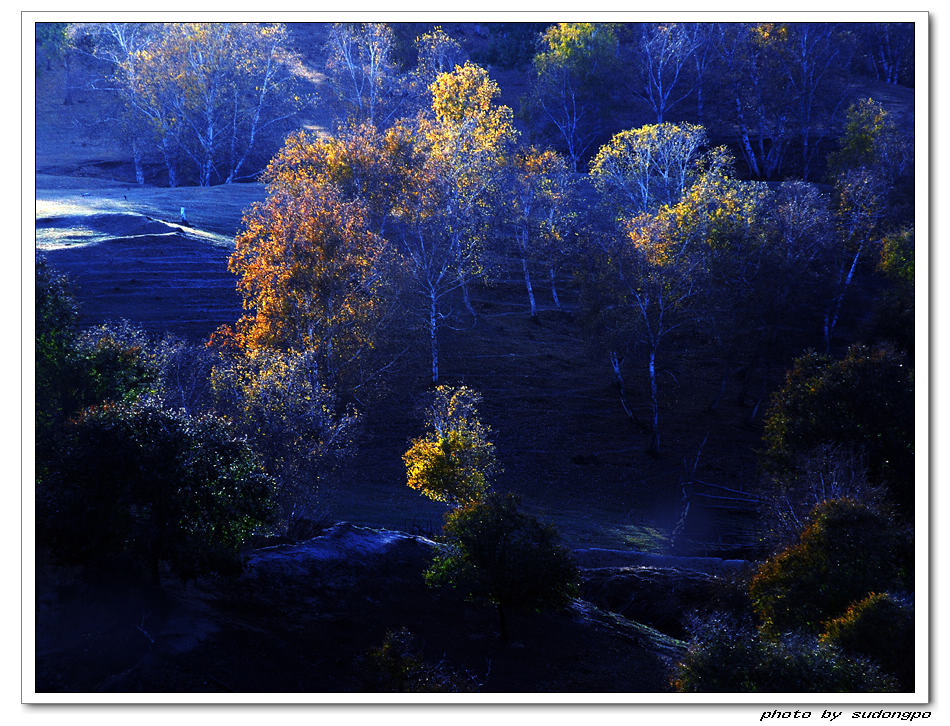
[
  {"x": 399, "y": 667},
  {"x": 142, "y": 484},
  {"x": 880, "y": 627},
  {"x": 498, "y": 554},
  {"x": 56, "y": 317},
  {"x": 864, "y": 401},
  {"x": 847, "y": 551},
  {"x": 725, "y": 656},
  {"x": 116, "y": 363}
]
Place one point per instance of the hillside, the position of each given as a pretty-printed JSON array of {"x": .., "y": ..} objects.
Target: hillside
[{"x": 564, "y": 442}]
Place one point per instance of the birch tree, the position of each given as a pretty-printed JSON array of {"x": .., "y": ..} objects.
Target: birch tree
[
  {"x": 541, "y": 194},
  {"x": 664, "y": 52},
  {"x": 762, "y": 114},
  {"x": 206, "y": 95},
  {"x": 362, "y": 70},
  {"x": 571, "y": 89},
  {"x": 641, "y": 169},
  {"x": 861, "y": 199},
  {"x": 464, "y": 143}
]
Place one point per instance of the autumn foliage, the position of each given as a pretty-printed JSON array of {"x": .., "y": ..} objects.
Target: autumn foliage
[{"x": 453, "y": 461}]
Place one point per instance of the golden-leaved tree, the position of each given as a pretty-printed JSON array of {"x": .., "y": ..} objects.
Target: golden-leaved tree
[
  {"x": 541, "y": 191},
  {"x": 461, "y": 147},
  {"x": 453, "y": 461}
]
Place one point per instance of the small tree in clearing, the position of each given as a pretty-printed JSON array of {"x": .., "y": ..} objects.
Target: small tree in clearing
[{"x": 453, "y": 462}]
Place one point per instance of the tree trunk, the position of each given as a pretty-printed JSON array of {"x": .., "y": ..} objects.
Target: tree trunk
[
  {"x": 831, "y": 317},
  {"x": 169, "y": 163},
  {"x": 699, "y": 100},
  {"x": 557, "y": 302},
  {"x": 615, "y": 364},
  {"x": 68, "y": 79},
  {"x": 527, "y": 283},
  {"x": 467, "y": 300},
  {"x": 655, "y": 407},
  {"x": 137, "y": 161},
  {"x": 433, "y": 336}
]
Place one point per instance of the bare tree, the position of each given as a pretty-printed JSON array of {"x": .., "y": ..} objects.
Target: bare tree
[
  {"x": 812, "y": 52},
  {"x": 362, "y": 70},
  {"x": 663, "y": 53},
  {"x": 762, "y": 113}
]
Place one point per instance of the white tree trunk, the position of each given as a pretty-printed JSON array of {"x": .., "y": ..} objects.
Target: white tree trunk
[
  {"x": 527, "y": 284},
  {"x": 554, "y": 289},
  {"x": 434, "y": 335},
  {"x": 654, "y": 405},
  {"x": 831, "y": 317},
  {"x": 137, "y": 161}
]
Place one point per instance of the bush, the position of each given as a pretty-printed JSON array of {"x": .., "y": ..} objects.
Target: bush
[
  {"x": 725, "y": 656},
  {"x": 140, "y": 484},
  {"x": 497, "y": 554},
  {"x": 116, "y": 363},
  {"x": 827, "y": 472},
  {"x": 400, "y": 668},
  {"x": 863, "y": 402},
  {"x": 56, "y": 317},
  {"x": 847, "y": 551},
  {"x": 894, "y": 314},
  {"x": 879, "y": 627}
]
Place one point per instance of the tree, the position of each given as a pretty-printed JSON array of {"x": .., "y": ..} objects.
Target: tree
[
  {"x": 641, "y": 169},
  {"x": 436, "y": 53},
  {"x": 229, "y": 83},
  {"x": 750, "y": 60},
  {"x": 654, "y": 271},
  {"x": 143, "y": 483},
  {"x": 888, "y": 51},
  {"x": 811, "y": 53},
  {"x": 145, "y": 117},
  {"x": 872, "y": 139},
  {"x": 769, "y": 264},
  {"x": 498, "y": 554},
  {"x": 864, "y": 401},
  {"x": 55, "y": 341},
  {"x": 542, "y": 191},
  {"x": 846, "y": 552},
  {"x": 297, "y": 426},
  {"x": 204, "y": 93},
  {"x": 829, "y": 471},
  {"x": 111, "y": 362},
  {"x": 701, "y": 37},
  {"x": 353, "y": 219},
  {"x": 571, "y": 81},
  {"x": 454, "y": 461},
  {"x": 894, "y": 318},
  {"x": 362, "y": 70},
  {"x": 663, "y": 52},
  {"x": 462, "y": 147},
  {"x": 314, "y": 277},
  {"x": 861, "y": 200}
]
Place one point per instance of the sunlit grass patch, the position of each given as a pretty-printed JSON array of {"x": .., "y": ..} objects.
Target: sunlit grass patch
[{"x": 642, "y": 538}]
